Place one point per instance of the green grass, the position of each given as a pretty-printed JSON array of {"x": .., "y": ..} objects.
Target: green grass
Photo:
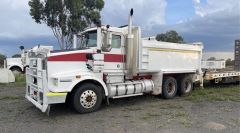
[
  {"x": 20, "y": 81},
  {"x": 216, "y": 93}
]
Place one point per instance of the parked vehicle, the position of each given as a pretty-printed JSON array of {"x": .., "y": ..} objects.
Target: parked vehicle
[
  {"x": 15, "y": 65},
  {"x": 215, "y": 73},
  {"x": 31, "y": 52},
  {"x": 111, "y": 62},
  {"x": 18, "y": 65},
  {"x": 213, "y": 65}
]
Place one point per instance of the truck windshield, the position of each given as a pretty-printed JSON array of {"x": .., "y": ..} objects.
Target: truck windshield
[{"x": 89, "y": 39}]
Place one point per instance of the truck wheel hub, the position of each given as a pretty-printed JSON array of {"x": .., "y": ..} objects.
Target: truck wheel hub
[
  {"x": 88, "y": 99},
  {"x": 171, "y": 88}
]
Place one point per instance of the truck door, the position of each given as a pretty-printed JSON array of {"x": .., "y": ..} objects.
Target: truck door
[{"x": 114, "y": 59}]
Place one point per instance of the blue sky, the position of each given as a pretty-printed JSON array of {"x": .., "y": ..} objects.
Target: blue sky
[
  {"x": 179, "y": 10},
  {"x": 215, "y": 23}
]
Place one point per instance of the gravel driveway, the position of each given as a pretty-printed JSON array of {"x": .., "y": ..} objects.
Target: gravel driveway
[{"x": 136, "y": 115}]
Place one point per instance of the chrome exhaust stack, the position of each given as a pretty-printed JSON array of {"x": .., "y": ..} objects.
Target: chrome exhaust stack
[
  {"x": 130, "y": 52},
  {"x": 99, "y": 36},
  {"x": 74, "y": 41}
]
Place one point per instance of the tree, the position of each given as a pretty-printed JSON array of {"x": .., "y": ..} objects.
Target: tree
[
  {"x": 16, "y": 56},
  {"x": 2, "y": 58},
  {"x": 229, "y": 62},
  {"x": 170, "y": 36},
  {"x": 212, "y": 59},
  {"x": 66, "y": 17}
]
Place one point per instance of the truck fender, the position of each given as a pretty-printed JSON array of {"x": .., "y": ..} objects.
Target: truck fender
[
  {"x": 84, "y": 78},
  {"x": 18, "y": 66}
]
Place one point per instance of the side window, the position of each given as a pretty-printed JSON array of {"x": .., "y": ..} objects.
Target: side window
[{"x": 116, "y": 41}]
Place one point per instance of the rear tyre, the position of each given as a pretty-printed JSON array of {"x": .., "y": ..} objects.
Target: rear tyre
[
  {"x": 87, "y": 98},
  {"x": 169, "y": 90},
  {"x": 185, "y": 85}
]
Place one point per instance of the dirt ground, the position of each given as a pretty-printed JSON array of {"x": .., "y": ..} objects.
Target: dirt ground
[{"x": 135, "y": 115}]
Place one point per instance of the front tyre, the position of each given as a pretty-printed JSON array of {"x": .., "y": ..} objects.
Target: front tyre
[{"x": 87, "y": 98}]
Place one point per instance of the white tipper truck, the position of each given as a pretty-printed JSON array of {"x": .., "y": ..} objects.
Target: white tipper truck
[
  {"x": 15, "y": 65},
  {"x": 111, "y": 62},
  {"x": 26, "y": 54},
  {"x": 18, "y": 65}
]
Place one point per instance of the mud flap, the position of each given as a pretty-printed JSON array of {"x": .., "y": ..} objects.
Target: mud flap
[{"x": 157, "y": 80}]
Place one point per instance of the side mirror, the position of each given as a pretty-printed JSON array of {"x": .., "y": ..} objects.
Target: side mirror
[{"x": 107, "y": 45}]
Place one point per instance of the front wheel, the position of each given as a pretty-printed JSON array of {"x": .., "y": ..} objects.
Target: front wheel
[{"x": 87, "y": 98}]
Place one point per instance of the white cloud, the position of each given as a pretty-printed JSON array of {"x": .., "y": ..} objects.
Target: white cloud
[
  {"x": 146, "y": 12},
  {"x": 16, "y": 21},
  {"x": 216, "y": 24},
  {"x": 217, "y": 28},
  {"x": 214, "y": 6},
  {"x": 197, "y": 1}
]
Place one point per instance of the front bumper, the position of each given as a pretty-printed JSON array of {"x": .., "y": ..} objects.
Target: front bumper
[{"x": 48, "y": 99}]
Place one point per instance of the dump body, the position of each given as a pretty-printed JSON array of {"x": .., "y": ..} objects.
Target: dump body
[{"x": 170, "y": 57}]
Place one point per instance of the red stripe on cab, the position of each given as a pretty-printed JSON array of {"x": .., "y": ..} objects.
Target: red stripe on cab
[
  {"x": 113, "y": 58},
  {"x": 82, "y": 57},
  {"x": 69, "y": 57}
]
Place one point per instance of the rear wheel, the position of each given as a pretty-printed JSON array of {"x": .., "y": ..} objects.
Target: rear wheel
[
  {"x": 87, "y": 98},
  {"x": 185, "y": 85},
  {"x": 169, "y": 90}
]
